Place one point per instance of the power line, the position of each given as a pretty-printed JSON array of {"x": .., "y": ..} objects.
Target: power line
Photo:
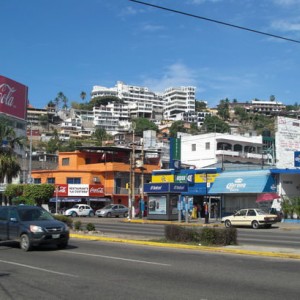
[{"x": 216, "y": 21}]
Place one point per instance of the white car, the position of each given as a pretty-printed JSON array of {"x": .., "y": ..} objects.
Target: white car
[
  {"x": 80, "y": 210},
  {"x": 253, "y": 217}
]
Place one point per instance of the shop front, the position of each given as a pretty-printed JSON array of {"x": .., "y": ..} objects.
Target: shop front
[
  {"x": 240, "y": 189},
  {"x": 163, "y": 200}
]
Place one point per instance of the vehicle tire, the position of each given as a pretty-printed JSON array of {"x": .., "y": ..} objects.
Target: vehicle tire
[
  {"x": 255, "y": 225},
  {"x": 108, "y": 215},
  {"x": 62, "y": 245},
  {"x": 73, "y": 214},
  {"x": 227, "y": 224},
  {"x": 91, "y": 214},
  {"x": 125, "y": 215},
  {"x": 25, "y": 243}
]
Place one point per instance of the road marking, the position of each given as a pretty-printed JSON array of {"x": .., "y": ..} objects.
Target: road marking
[
  {"x": 38, "y": 269},
  {"x": 119, "y": 258}
]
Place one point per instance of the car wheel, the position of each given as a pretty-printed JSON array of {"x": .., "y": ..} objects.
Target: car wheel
[
  {"x": 91, "y": 214},
  {"x": 125, "y": 215},
  {"x": 62, "y": 245},
  {"x": 25, "y": 243},
  {"x": 227, "y": 224},
  {"x": 108, "y": 215},
  {"x": 255, "y": 225},
  {"x": 73, "y": 214}
]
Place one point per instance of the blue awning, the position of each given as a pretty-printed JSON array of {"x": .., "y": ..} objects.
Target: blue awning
[{"x": 260, "y": 181}]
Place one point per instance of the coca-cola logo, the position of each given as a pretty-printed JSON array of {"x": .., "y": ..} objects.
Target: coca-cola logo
[
  {"x": 96, "y": 190},
  {"x": 6, "y": 94}
]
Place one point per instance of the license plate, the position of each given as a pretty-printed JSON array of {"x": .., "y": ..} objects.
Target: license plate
[{"x": 55, "y": 236}]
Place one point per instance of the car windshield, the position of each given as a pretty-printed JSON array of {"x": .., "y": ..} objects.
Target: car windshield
[
  {"x": 76, "y": 206},
  {"x": 261, "y": 212},
  {"x": 34, "y": 214}
]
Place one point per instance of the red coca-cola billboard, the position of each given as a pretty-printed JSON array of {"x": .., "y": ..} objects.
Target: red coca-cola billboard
[
  {"x": 13, "y": 98},
  {"x": 96, "y": 190}
]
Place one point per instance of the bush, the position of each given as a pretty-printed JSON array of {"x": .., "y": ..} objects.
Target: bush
[
  {"x": 204, "y": 235},
  {"x": 90, "y": 227},
  {"x": 77, "y": 225},
  {"x": 64, "y": 219}
]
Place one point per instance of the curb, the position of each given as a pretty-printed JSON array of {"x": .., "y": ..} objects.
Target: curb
[{"x": 190, "y": 247}]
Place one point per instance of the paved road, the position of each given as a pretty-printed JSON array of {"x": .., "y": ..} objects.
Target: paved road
[{"x": 102, "y": 270}]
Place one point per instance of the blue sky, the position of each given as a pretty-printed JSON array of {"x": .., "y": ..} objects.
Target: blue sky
[{"x": 71, "y": 45}]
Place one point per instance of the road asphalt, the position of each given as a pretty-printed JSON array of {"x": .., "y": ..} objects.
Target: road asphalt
[{"x": 279, "y": 252}]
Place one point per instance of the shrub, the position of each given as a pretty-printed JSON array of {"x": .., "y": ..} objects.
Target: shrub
[
  {"x": 90, "y": 227},
  {"x": 64, "y": 219},
  {"x": 77, "y": 225},
  {"x": 205, "y": 236}
]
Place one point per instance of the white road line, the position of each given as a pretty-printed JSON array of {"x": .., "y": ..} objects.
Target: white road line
[
  {"x": 118, "y": 258},
  {"x": 38, "y": 269}
]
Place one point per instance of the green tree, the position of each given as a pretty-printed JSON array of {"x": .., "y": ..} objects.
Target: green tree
[
  {"x": 223, "y": 109},
  {"x": 200, "y": 106},
  {"x": 104, "y": 100},
  {"x": 142, "y": 124},
  {"x": 100, "y": 135},
  {"x": 215, "y": 124},
  {"x": 177, "y": 126},
  {"x": 39, "y": 193}
]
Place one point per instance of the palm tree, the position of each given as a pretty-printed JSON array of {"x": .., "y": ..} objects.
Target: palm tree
[
  {"x": 83, "y": 95},
  {"x": 9, "y": 166}
]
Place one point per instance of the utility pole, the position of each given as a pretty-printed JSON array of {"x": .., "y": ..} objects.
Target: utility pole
[{"x": 29, "y": 176}]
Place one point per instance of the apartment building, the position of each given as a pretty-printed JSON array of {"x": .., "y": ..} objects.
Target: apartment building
[
  {"x": 178, "y": 100},
  {"x": 142, "y": 102}
]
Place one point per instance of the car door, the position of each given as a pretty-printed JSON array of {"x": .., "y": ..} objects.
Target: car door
[
  {"x": 14, "y": 224},
  {"x": 251, "y": 216},
  {"x": 3, "y": 223},
  {"x": 240, "y": 218},
  {"x": 115, "y": 210}
]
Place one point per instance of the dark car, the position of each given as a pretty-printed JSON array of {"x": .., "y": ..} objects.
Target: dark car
[{"x": 32, "y": 226}]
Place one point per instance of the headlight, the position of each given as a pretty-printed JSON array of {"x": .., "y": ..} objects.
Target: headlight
[{"x": 35, "y": 229}]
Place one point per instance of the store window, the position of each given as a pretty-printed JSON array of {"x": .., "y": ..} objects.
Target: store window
[
  {"x": 37, "y": 180},
  {"x": 51, "y": 180},
  {"x": 74, "y": 180}
]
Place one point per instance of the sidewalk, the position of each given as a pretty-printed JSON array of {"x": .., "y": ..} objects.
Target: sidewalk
[{"x": 278, "y": 252}]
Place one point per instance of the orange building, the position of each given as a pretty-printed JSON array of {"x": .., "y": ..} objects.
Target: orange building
[{"x": 111, "y": 167}]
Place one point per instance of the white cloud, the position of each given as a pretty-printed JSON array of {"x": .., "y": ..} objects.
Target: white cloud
[
  {"x": 286, "y": 2},
  {"x": 203, "y": 1},
  {"x": 286, "y": 26},
  {"x": 174, "y": 75},
  {"x": 152, "y": 28}
]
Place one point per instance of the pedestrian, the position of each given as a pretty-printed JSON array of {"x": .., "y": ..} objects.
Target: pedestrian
[{"x": 199, "y": 208}]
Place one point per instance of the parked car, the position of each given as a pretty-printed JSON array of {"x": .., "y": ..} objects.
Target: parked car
[
  {"x": 253, "y": 217},
  {"x": 113, "y": 210},
  {"x": 31, "y": 226},
  {"x": 80, "y": 210}
]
